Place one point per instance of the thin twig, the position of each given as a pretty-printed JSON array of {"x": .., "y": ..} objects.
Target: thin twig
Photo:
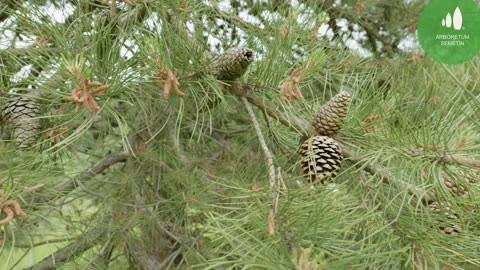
[
  {"x": 51, "y": 241},
  {"x": 105, "y": 248},
  {"x": 280, "y": 179},
  {"x": 143, "y": 258},
  {"x": 141, "y": 204},
  {"x": 86, "y": 175},
  {"x": 297, "y": 124},
  {"x": 219, "y": 14},
  {"x": 448, "y": 158},
  {"x": 271, "y": 166},
  {"x": 172, "y": 134},
  {"x": 263, "y": 144},
  {"x": 71, "y": 251},
  {"x": 134, "y": 15},
  {"x": 451, "y": 159},
  {"x": 20, "y": 258},
  {"x": 373, "y": 170},
  {"x": 113, "y": 8}
]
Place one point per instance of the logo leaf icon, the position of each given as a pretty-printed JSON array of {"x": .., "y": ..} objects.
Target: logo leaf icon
[
  {"x": 449, "y": 20},
  {"x": 457, "y": 19}
]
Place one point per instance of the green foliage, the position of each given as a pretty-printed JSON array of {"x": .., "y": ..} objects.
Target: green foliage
[{"x": 193, "y": 191}]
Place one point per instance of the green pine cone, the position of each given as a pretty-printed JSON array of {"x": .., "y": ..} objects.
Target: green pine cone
[
  {"x": 332, "y": 115},
  {"x": 21, "y": 116},
  {"x": 232, "y": 64}
]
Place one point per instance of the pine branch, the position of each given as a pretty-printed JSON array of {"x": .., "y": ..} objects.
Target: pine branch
[
  {"x": 247, "y": 27},
  {"x": 86, "y": 175},
  {"x": 297, "y": 124},
  {"x": 306, "y": 129},
  {"x": 13, "y": 52},
  {"x": 96, "y": 169},
  {"x": 8, "y": 7},
  {"x": 271, "y": 166},
  {"x": 263, "y": 144},
  {"x": 141, "y": 204},
  {"x": 135, "y": 15},
  {"x": 373, "y": 34},
  {"x": 374, "y": 170},
  {"x": 83, "y": 243},
  {"x": 145, "y": 260},
  {"x": 40, "y": 243},
  {"x": 451, "y": 159},
  {"x": 102, "y": 257}
]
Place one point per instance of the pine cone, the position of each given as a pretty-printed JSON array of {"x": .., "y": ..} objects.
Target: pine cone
[
  {"x": 320, "y": 158},
  {"x": 20, "y": 114},
  {"x": 470, "y": 176},
  {"x": 332, "y": 115},
  {"x": 232, "y": 64},
  {"x": 456, "y": 190},
  {"x": 456, "y": 187},
  {"x": 445, "y": 218}
]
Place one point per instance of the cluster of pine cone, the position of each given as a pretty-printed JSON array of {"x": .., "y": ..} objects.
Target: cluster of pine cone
[
  {"x": 320, "y": 155},
  {"x": 446, "y": 219},
  {"x": 444, "y": 216}
]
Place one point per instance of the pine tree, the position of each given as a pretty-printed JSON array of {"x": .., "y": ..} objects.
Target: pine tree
[{"x": 130, "y": 168}]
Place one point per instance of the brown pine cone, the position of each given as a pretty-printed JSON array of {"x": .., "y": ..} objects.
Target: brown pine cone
[
  {"x": 332, "y": 115},
  {"x": 466, "y": 178},
  {"x": 320, "y": 159},
  {"x": 445, "y": 218},
  {"x": 455, "y": 189},
  {"x": 232, "y": 64},
  {"x": 21, "y": 116}
]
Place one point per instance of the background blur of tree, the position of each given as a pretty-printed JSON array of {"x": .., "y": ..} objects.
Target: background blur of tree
[{"x": 144, "y": 160}]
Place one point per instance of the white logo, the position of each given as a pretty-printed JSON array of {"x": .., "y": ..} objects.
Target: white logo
[{"x": 457, "y": 20}]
